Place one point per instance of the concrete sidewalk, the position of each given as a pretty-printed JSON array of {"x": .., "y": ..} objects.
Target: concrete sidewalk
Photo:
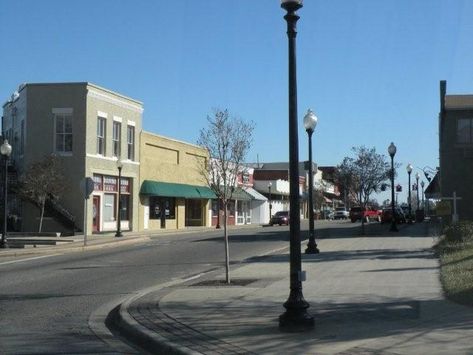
[{"x": 374, "y": 294}]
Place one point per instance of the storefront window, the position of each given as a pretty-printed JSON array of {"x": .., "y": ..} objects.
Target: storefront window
[{"x": 158, "y": 205}]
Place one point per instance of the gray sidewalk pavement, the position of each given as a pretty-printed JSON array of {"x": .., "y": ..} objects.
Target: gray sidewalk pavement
[{"x": 374, "y": 294}]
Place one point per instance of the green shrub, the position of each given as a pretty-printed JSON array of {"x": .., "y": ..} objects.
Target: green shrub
[{"x": 459, "y": 232}]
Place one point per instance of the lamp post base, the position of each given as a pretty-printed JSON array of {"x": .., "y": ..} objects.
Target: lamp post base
[
  {"x": 3, "y": 245},
  {"x": 296, "y": 318},
  {"x": 118, "y": 234},
  {"x": 312, "y": 248}
]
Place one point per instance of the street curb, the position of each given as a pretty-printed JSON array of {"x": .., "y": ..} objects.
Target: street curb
[
  {"x": 139, "y": 334},
  {"x": 73, "y": 248},
  {"x": 129, "y": 328}
]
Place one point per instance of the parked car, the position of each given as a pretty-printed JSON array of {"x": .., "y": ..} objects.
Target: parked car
[
  {"x": 386, "y": 215},
  {"x": 368, "y": 214},
  {"x": 281, "y": 217},
  {"x": 341, "y": 213}
]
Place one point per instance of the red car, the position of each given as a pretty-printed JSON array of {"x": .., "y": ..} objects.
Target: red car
[{"x": 368, "y": 214}]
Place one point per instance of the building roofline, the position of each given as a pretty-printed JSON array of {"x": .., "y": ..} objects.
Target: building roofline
[
  {"x": 81, "y": 83},
  {"x": 172, "y": 139}
]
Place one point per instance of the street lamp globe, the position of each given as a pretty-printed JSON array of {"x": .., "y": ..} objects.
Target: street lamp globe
[
  {"x": 5, "y": 148},
  {"x": 417, "y": 176},
  {"x": 119, "y": 163},
  {"x": 392, "y": 150},
  {"x": 409, "y": 168},
  {"x": 422, "y": 184},
  {"x": 270, "y": 184},
  {"x": 310, "y": 121}
]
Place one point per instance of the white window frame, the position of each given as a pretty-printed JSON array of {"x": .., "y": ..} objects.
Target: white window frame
[
  {"x": 130, "y": 142},
  {"x": 101, "y": 135},
  {"x": 65, "y": 114},
  {"x": 116, "y": 138}
]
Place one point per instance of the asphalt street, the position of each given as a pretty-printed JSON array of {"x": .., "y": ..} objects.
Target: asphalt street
[{"x": 46, "y": 302}]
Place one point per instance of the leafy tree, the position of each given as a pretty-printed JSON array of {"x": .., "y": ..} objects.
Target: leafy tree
[
  {"x": 364, "y": 174},
  {"x": 227, "y": 140},
  {"x": 42, "y": 180}
]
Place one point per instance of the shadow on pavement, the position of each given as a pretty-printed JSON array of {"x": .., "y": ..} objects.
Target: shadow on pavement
[{"x": 254, "y": 325}]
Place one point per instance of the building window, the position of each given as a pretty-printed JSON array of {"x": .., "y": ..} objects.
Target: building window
[
  {"x": 159, "y": 205},
  {"x": 465, "y": 131},
  {"x": 131, "y": 142},
  {"x": 101, "y": 123},
  {"x": 63, "y": 124},
  {"x": 117, "y": 128}
]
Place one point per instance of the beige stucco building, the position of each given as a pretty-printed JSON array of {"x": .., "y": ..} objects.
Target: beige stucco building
[{"x": 173, "y": 193}]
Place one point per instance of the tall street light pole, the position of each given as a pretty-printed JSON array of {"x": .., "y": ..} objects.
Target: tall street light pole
[
  {"x": 270, "y": 206},
  {"x": 5, "y": 150},
  {"x": 310, "y": 121},
  {"x": 409, "y": 171},
  {"x": 423, "y": 203},
  {"x": 392, "y": 152},
  {"x": 417, "y": 190},
  {"x": 119, "y": 215},
  {"x": 296, "y": 317}
]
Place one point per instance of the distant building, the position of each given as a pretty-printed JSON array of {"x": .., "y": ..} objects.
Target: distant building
[{"x": 456, "y": 149}]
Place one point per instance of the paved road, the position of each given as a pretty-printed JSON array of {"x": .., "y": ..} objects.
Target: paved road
[{"x": 46, "y": 302}]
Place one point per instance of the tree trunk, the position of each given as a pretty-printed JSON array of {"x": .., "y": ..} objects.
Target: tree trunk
[
  {"x": 227, "y": 251},
  {"x": 43, "y": 202}
]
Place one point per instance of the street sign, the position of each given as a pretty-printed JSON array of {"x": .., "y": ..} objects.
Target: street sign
[{"x": 87, "y": 186}]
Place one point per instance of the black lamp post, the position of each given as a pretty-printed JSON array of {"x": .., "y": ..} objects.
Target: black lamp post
[
  {"x": 270, "y": 206},
  {"x": 422, "y": 186},
  {"x": 310, "y": 121},
  {"x": 119, "y": 213},
  {"x": 296, "y": 317},
  {"x": 417, "y": 190},
  {"x": 392, "y": 152},
  {"x": 5, "y": 150},
  {"x": 409, "y": 171}
]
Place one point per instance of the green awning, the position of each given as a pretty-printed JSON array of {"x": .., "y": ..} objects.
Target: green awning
[{"x": 168, "y": 189}]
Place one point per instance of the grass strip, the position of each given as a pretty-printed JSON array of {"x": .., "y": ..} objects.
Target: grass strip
[{"x": 456, "y": 270}]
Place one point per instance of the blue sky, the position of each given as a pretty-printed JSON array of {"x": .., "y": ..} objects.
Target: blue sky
[{"x": 369, "y": 69}]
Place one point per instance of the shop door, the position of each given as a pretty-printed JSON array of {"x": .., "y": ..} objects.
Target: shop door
[{"x": 96, "y": 214}]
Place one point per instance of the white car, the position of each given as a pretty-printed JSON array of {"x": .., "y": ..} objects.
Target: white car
[{"x": 341, "y": 213}]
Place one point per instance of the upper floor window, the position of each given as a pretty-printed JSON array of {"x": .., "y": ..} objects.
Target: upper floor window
[
  {"x": 465, "y": 131},
  {"x": 63, "y": 126},
  {"x": 117, "y": 128},
  {"x": 131, "y": 142},
  {"x": 101, "y": 124}
]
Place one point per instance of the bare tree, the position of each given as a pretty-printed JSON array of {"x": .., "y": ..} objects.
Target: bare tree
[
  {"x": 364, "y": 174},
  {"x": 227, "y": 140},
  {"x": 42, "y": 180}
]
